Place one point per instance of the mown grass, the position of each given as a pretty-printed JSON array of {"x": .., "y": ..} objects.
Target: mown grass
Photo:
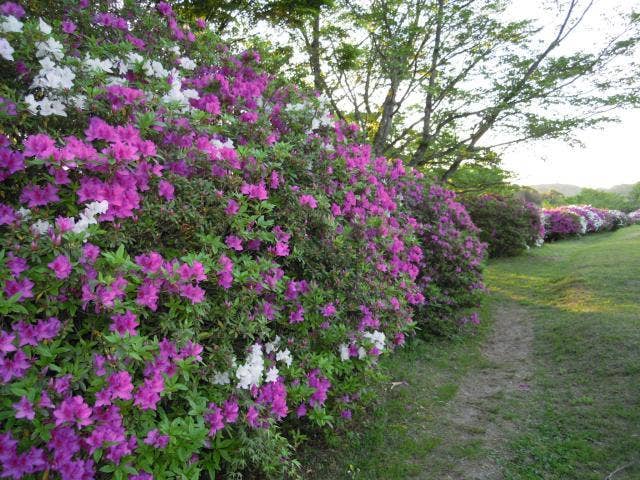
[
  {"x": 580, "y": 419},
  {"x": 584, "y": 412}
]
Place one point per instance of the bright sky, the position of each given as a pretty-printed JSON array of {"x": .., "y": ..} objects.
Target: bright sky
[{"x": 610, "y": 155}]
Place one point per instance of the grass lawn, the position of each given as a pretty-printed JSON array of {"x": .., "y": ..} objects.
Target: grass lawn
[{"x": 578, "y": 415}]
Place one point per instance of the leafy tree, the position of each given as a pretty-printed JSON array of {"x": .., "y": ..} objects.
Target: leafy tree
[
  {"x": 442, "y": 83},
  {"x": 479, "y": 179},
  {"x": 634, "y": 196},
  {"x": 600, "y": 199},
  {"x": 553, "y": 198}
]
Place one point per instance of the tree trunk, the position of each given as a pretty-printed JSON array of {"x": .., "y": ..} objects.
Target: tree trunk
[{"x": 386, "y": 119}]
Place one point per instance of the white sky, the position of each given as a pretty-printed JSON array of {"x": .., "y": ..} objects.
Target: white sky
[{"x": 610, "y": 155}]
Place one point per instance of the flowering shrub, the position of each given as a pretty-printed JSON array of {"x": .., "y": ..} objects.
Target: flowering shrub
[
  {"x": 451, "y": 269},
  {"x": 634, "y": 217},
  {"x": 574, "y": 220},
  {"x": 508, "y": 224},
  {"x": 193, "y": 254}
]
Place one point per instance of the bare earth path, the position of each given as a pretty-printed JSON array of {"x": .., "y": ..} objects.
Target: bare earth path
[{"x": 471, "y": 419}]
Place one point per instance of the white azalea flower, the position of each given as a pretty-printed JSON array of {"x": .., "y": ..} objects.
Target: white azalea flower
[
  {"x": 32, "y": 104},
  {"x": 272, "y": 346},
  {"x": 6, "y": 50},
  {"x": 250, "y": 373},
  {"x": 50, "y": 47},
  {"x": 44, "y": 27},
  {"x": 97, "y": 65},
  {"x": 221, "y": 378},
  {"x": 153, "y": 68},
  {"x": 362, "y": 353},
  {"x": 187, "y": 63},
  {"x": 344, "y": 352},
  {"x": 272, "y": 375},
  {"x": 41, "y": 227},
  {"x": 11, "y": 24},
  {"x": 53, "y": 77},
  {"x": 377, "y": 338},
  {"x": 134, "y": 58},
  {"x": 285, "y": 356},
  {"x": 96, "y": 208},
  {"x": 78, "y": 101},
  {"x": 116, "y": 81},
  {"x": 52, "y": 107}
]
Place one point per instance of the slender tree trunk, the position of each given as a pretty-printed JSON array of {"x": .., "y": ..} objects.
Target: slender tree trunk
[
  {"x": 386, "y": 119},
  {"x": 314, "y": 53}
]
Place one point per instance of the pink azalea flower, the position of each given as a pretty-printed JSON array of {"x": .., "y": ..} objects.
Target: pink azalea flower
[
  {"x": 232, "y": 207},
  {"x": 61, "y": 266},
  {"x": 40, "y": 146},
  {"x": 120, "y": 385},
  {"x": 73, "y": 410},
  {"x": 309, "y": 201},
  {"x": 24, "y": 409},
  {"x": 36, "y": 196},
  {"x": 234, "y": 243},
  {"x": 125, "y": 323},
  {"x": 166, "y": 190}
]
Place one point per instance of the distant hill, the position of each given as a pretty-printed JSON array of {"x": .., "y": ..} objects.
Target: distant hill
[
  {"x": 570, "y": 190},
  {"x": 565, "y": 189},
  {"x": 623, "y": 189}
]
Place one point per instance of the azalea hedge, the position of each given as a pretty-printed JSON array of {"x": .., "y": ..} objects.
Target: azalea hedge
[
  {"x": 196, "y": 260},
  {"x": 508, "y": 224},
  {"x": 576, "y": 220}
]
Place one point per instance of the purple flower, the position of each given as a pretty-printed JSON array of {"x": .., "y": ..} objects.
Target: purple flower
[
  {"x": 24, "y": 409},
  {"x": 73, "y": 410},
  {"x": 214, "y": 418},
  {"x": 150, "y": 263},
  {"x": 296, "y": 316},
  {"x": 258, "y": 192},
  {"x": 252, "y": 416},
  {"x": 156, "y": 440},
  {"x": 36, "y": 196},
  {"x": 61, "y": 266},
  {"x": 309, "y": 201},
  {"x": 68, "y": 26},
  {"x": 16, "y": 265},
  {"x": 124, "y": 323},
  {"x": 40, "y": 146},
  {"x": 192, "y": 292},
  {"x": 120, "y": 385},
  {"x": 11, "y": 8},
  {"x": 281, "y": 249},
  {"x": 329, "y": 310},
  {"x": 148, "y": 394},
  {"x": 230, "y": 411},
  {"x": 166, "y": 190},
  {"x": 22, "y": 287},
  {"x": 148, "y": 294},
  {"x": 7, "y": 215},
  {"x": 234, "y": 243},
  {"x": 6, "y": 342},
  {"x": 232, "y": 207}
]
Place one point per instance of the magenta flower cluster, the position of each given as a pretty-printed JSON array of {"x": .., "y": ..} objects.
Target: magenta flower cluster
[{"x": 576, "y": 220}]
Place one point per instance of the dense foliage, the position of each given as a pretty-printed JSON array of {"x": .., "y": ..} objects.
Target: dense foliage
[
  {"x": 451, "y": 271},
  {"x": 575, "y": 220},
  {"x": 196, "y": 258},
  {"x": 508, "y": 224}
]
